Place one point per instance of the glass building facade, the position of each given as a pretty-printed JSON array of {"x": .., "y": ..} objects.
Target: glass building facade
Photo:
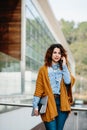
[{"x": 38, "y": 38}]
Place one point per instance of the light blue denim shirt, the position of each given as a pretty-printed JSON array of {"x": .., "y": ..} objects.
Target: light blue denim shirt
[{"x": 55, "y": 75}]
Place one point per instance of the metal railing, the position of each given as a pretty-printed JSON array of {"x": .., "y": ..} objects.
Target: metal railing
[
  {"x": 73, "y": 108},
  {"x": 16, "y": 104}
]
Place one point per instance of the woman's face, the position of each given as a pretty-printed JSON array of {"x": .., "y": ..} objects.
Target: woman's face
[{"x": 56, "y": 55}]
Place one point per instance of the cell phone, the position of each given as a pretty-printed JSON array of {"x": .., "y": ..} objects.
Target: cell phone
[{"x": 61, "y": 61}]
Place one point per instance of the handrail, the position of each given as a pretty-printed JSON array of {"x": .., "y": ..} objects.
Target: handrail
[
  {"x": 73, "y": 108},
  {"x": 16, "y": 104}
]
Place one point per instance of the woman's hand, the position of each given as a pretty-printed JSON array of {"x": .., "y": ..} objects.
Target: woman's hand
[
  {"x": 64, "y": 60},
  {"x": 36, "y": 113}
]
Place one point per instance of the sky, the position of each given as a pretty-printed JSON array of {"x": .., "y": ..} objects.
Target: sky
[{"x": 69, "y": 10}]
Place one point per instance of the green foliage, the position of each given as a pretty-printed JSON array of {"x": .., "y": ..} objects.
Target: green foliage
[
  {"x": 68, "y": 30},
  {"x": 73, "y": 32},
  {"x": 82, "y": 31},
  {"x": 76, "y": 36},
  {"x": 79, "y": 51}
]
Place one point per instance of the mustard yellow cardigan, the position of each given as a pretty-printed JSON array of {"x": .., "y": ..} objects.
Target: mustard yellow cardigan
[{"x": 43, "y": 88}]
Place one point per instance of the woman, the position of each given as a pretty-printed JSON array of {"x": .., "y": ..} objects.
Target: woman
[{"x": 54, "y": 79}]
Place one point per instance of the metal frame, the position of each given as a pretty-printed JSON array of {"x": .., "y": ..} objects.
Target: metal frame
[{"x": 23, "y": 45}]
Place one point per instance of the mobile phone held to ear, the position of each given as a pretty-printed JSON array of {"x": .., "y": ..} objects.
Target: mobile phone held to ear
[{"x": 61, "y": 61}]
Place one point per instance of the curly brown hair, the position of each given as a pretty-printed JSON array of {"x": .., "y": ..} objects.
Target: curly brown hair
[{"x": 48, "y": 56}]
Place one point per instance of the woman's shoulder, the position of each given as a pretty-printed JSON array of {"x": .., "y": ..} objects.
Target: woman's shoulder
[{"x": 43, "y": 68}]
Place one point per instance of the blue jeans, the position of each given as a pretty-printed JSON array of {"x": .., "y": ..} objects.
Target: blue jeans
[{"x": 59, "y": 121}]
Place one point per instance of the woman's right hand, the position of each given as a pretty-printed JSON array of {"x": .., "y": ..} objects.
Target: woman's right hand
[{"x": 36, "y": 113}]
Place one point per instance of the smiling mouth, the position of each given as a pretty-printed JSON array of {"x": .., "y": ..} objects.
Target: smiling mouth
[{"x": 56, "y": 58}]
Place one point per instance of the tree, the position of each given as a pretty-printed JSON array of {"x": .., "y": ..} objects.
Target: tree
[{"x": 68, "y": 30}]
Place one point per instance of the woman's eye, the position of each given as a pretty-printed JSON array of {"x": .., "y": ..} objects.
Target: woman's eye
[
  {"x": 54, "y": 52},
  {"x": 59, "y": 53}
]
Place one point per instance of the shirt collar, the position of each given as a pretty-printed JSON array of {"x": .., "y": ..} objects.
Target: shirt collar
[{"x": 55, "y": 66}]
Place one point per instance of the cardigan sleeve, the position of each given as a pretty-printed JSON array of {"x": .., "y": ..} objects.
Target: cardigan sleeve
[
  {"x": 39, "y": 85},
  {"x": 70, "y": 89},
  {"x": 66, "y": 98}
]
